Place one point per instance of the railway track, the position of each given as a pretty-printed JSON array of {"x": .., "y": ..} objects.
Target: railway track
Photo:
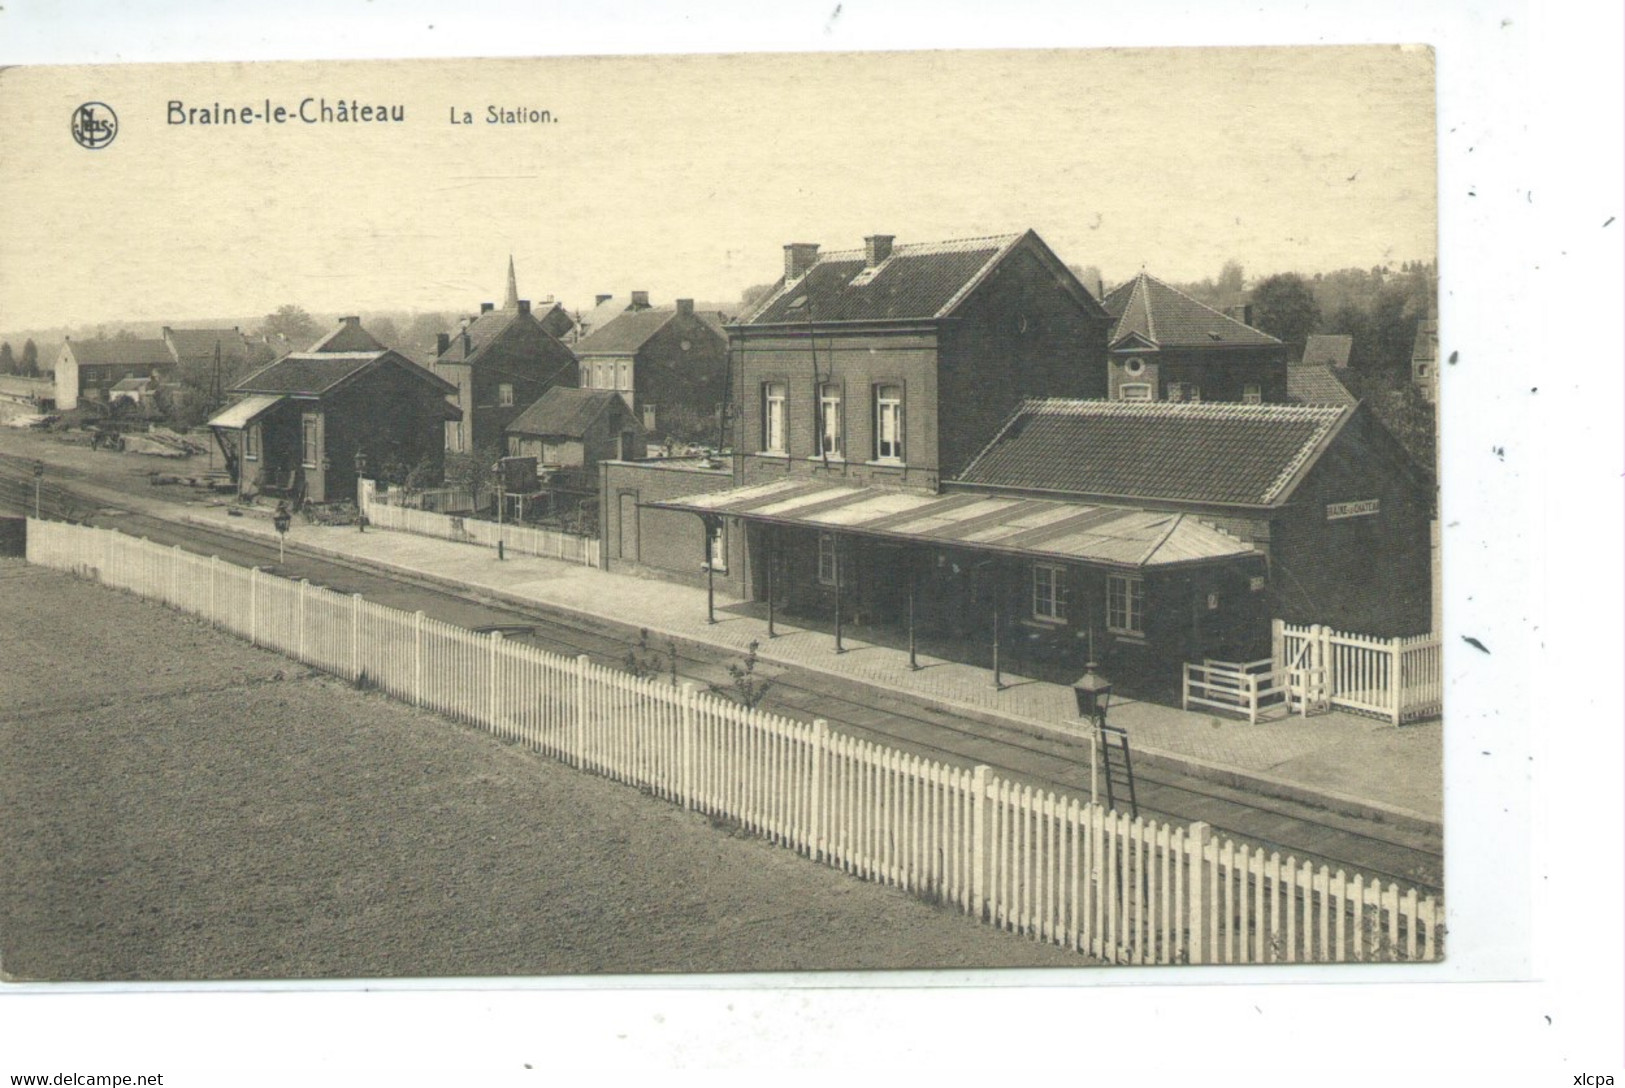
[{"x": 1051, "y": 763}]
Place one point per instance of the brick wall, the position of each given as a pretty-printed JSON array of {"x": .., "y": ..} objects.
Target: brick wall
[{"x": 663, "y": 543}]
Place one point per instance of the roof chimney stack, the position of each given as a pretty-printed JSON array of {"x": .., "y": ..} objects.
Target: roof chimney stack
[
  {"x": 524, "y": 305},
  {"x": 798, "y": 257},
  {"x": 876, "y": 248},
  {"x": 640, "y": 300},
  {"x": 601, "y": 299},
  {"x": 685, "y": 307},
  {"x": 487, "y": 307},
  {"x": 352, "y": 322},
  {"x": 442, "y": 343}
]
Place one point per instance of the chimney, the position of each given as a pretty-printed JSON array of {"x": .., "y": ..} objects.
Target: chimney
[
  {"x": 1102, "y": 294},
  {"x": 487, "y": 307},
  {"x": 876, "y": 248},
  {"x": 685, "y": 307},
  {"x": 602, "y": 299},
  {"x": 442, "y": 343},
  {"x": 524, "y": 305},
  {"x": 351, "y": 322},
  {"x": 798, "y": 257},
  {"x": 640, "y": 300}
]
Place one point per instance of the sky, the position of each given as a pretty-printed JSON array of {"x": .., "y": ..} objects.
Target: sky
[{"x": 686, "y": 175}]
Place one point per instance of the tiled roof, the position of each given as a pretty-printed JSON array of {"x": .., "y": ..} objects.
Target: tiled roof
[
  {"x": 1326, "y": 350},
  {"x": 564, "y": 411},
  {"x": 1150, "y": 309},
  {"x": 1222, "y": 454},
  {"x": 313, "y": 373},
  {"x": 200, "y": 343},
  {"x": 626, "y": 333},
  {"x": 1116, "y": 535},
  {"x": 121, "y": 352},
  {"x": 918, "y": 281},
  {"x": 1316, "y": 383},
  {"x": 347, "y": 338},
  {"x": 480, "y": 332}
]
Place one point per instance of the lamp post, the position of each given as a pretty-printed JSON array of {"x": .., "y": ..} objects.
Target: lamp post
[
  {"x": 360, "y": 478},
  {"x": 1094, "y": 693},
  {"x": 281, "y": 519}
]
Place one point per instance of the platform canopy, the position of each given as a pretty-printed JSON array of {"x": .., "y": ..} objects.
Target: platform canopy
[
  {"x": 245, "y": 411},
  {"x": 1112, "y": 536}
]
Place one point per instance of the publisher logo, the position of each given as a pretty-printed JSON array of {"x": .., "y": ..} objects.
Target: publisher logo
[{"x": 94, "y": 125}]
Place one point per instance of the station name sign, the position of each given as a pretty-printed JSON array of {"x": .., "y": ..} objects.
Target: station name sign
[{"x": 1361, "y": 508}]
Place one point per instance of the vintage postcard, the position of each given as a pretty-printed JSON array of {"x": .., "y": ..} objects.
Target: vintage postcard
[{"x": 713, "y": 515}]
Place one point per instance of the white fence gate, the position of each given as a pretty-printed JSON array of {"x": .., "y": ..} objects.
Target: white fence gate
[
  {"x": 1052, "y": 867},
  {"x": 1401, "y": 679}
]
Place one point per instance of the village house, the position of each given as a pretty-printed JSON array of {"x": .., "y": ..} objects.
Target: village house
[
  {"x": 304, "y": 419},
  {"x": 569, "y": 432},
  {"x": 1139, "y": 535},
  {"x": 88, "y": 369},
  {"x": 1166, "y": 346},
  {"x": 888, "y": 365},
  {"x": 670, "y": 365},
  {"x": 499, "y": 362}
]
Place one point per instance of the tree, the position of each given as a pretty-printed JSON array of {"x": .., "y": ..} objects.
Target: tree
[
  {"x": 8, "y": 363},
  {"x": 29, "y": 367},
  {"x": 750, "y": 296},
  {"x": 294, "y": 323},
  {"x": 1284, "y": 306},
  {"x": 384, "y": 331},
  {"x": 420, "y": 335},
  {"x": 1232, "y": 279}
]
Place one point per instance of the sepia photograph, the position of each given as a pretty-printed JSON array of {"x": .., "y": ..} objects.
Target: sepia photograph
[
  {"x": 851, "y": 518},
  {"x": 618, "y": 470}
]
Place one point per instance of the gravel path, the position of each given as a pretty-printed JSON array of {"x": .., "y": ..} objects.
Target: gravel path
[{"x": 175, "y": 804}]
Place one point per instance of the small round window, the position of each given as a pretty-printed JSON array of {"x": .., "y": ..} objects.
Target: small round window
[{"x": 1135, "y": 366}]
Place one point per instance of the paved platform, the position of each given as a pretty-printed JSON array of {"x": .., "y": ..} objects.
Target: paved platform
[{"x": 1342, "y": 761}]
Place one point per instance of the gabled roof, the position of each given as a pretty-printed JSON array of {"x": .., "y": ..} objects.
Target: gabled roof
[
  {"x": 349, "y": 336},
  {"x": 121, "y": 352},
  {"x": 626, "y": 333},
  {"x": 316, "y": 373},
  {"x": 1211, "y": 453},
  {"x": 918, "y": 281},
  {"x": 245, "y": 411},
  {"x": 1316, "y": 383},
  {"x": 200, "y": 343},
  {"x": 1147, "y": 308},
  {"x": 467, "y": 342},
  {"x": 566, "y": 412},
  {"x": 1322, "y": 349}
]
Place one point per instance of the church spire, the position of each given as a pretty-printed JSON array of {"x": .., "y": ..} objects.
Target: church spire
[{"x": 512, "y": 301}]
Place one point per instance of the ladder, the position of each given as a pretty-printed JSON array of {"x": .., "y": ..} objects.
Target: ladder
[{"x": 1117, "y": 769}]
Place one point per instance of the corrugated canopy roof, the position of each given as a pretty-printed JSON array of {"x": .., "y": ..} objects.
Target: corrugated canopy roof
[
  {"x": 245, "y": 411},
  {"x": 1211, "y": 453},
  {"x": 1115, "y": 536},
  {"x": 1147, "y": 308}
]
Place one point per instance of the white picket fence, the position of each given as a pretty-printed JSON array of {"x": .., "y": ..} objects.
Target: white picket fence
[
  {"x": 1400, "y": 679},
  {"x": 1055, "y": 868},
  {"x": 519, "y": 539}
]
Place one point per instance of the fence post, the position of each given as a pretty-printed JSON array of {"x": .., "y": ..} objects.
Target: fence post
[
  {"x": 1396, "y": 688},
  {"x": 355, "y": 638},
  {"x": 978, "y": 839},
  {"x": 1321, "y": 642},
  {"x": 820, "y": 741},
  {"x": 214, "y": 566},
  {"x": 686, "y": 746},
  {"x": 417, "y": 658},
  {"x": 254, "y": 606},
  {"x": 1278, "y": 643},
  {"x": 491, "y": 716},
  {"x": 304, "y": 585},
  {"x": 580, "y": 723},
  {"x": 1196, "y": 889}
]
